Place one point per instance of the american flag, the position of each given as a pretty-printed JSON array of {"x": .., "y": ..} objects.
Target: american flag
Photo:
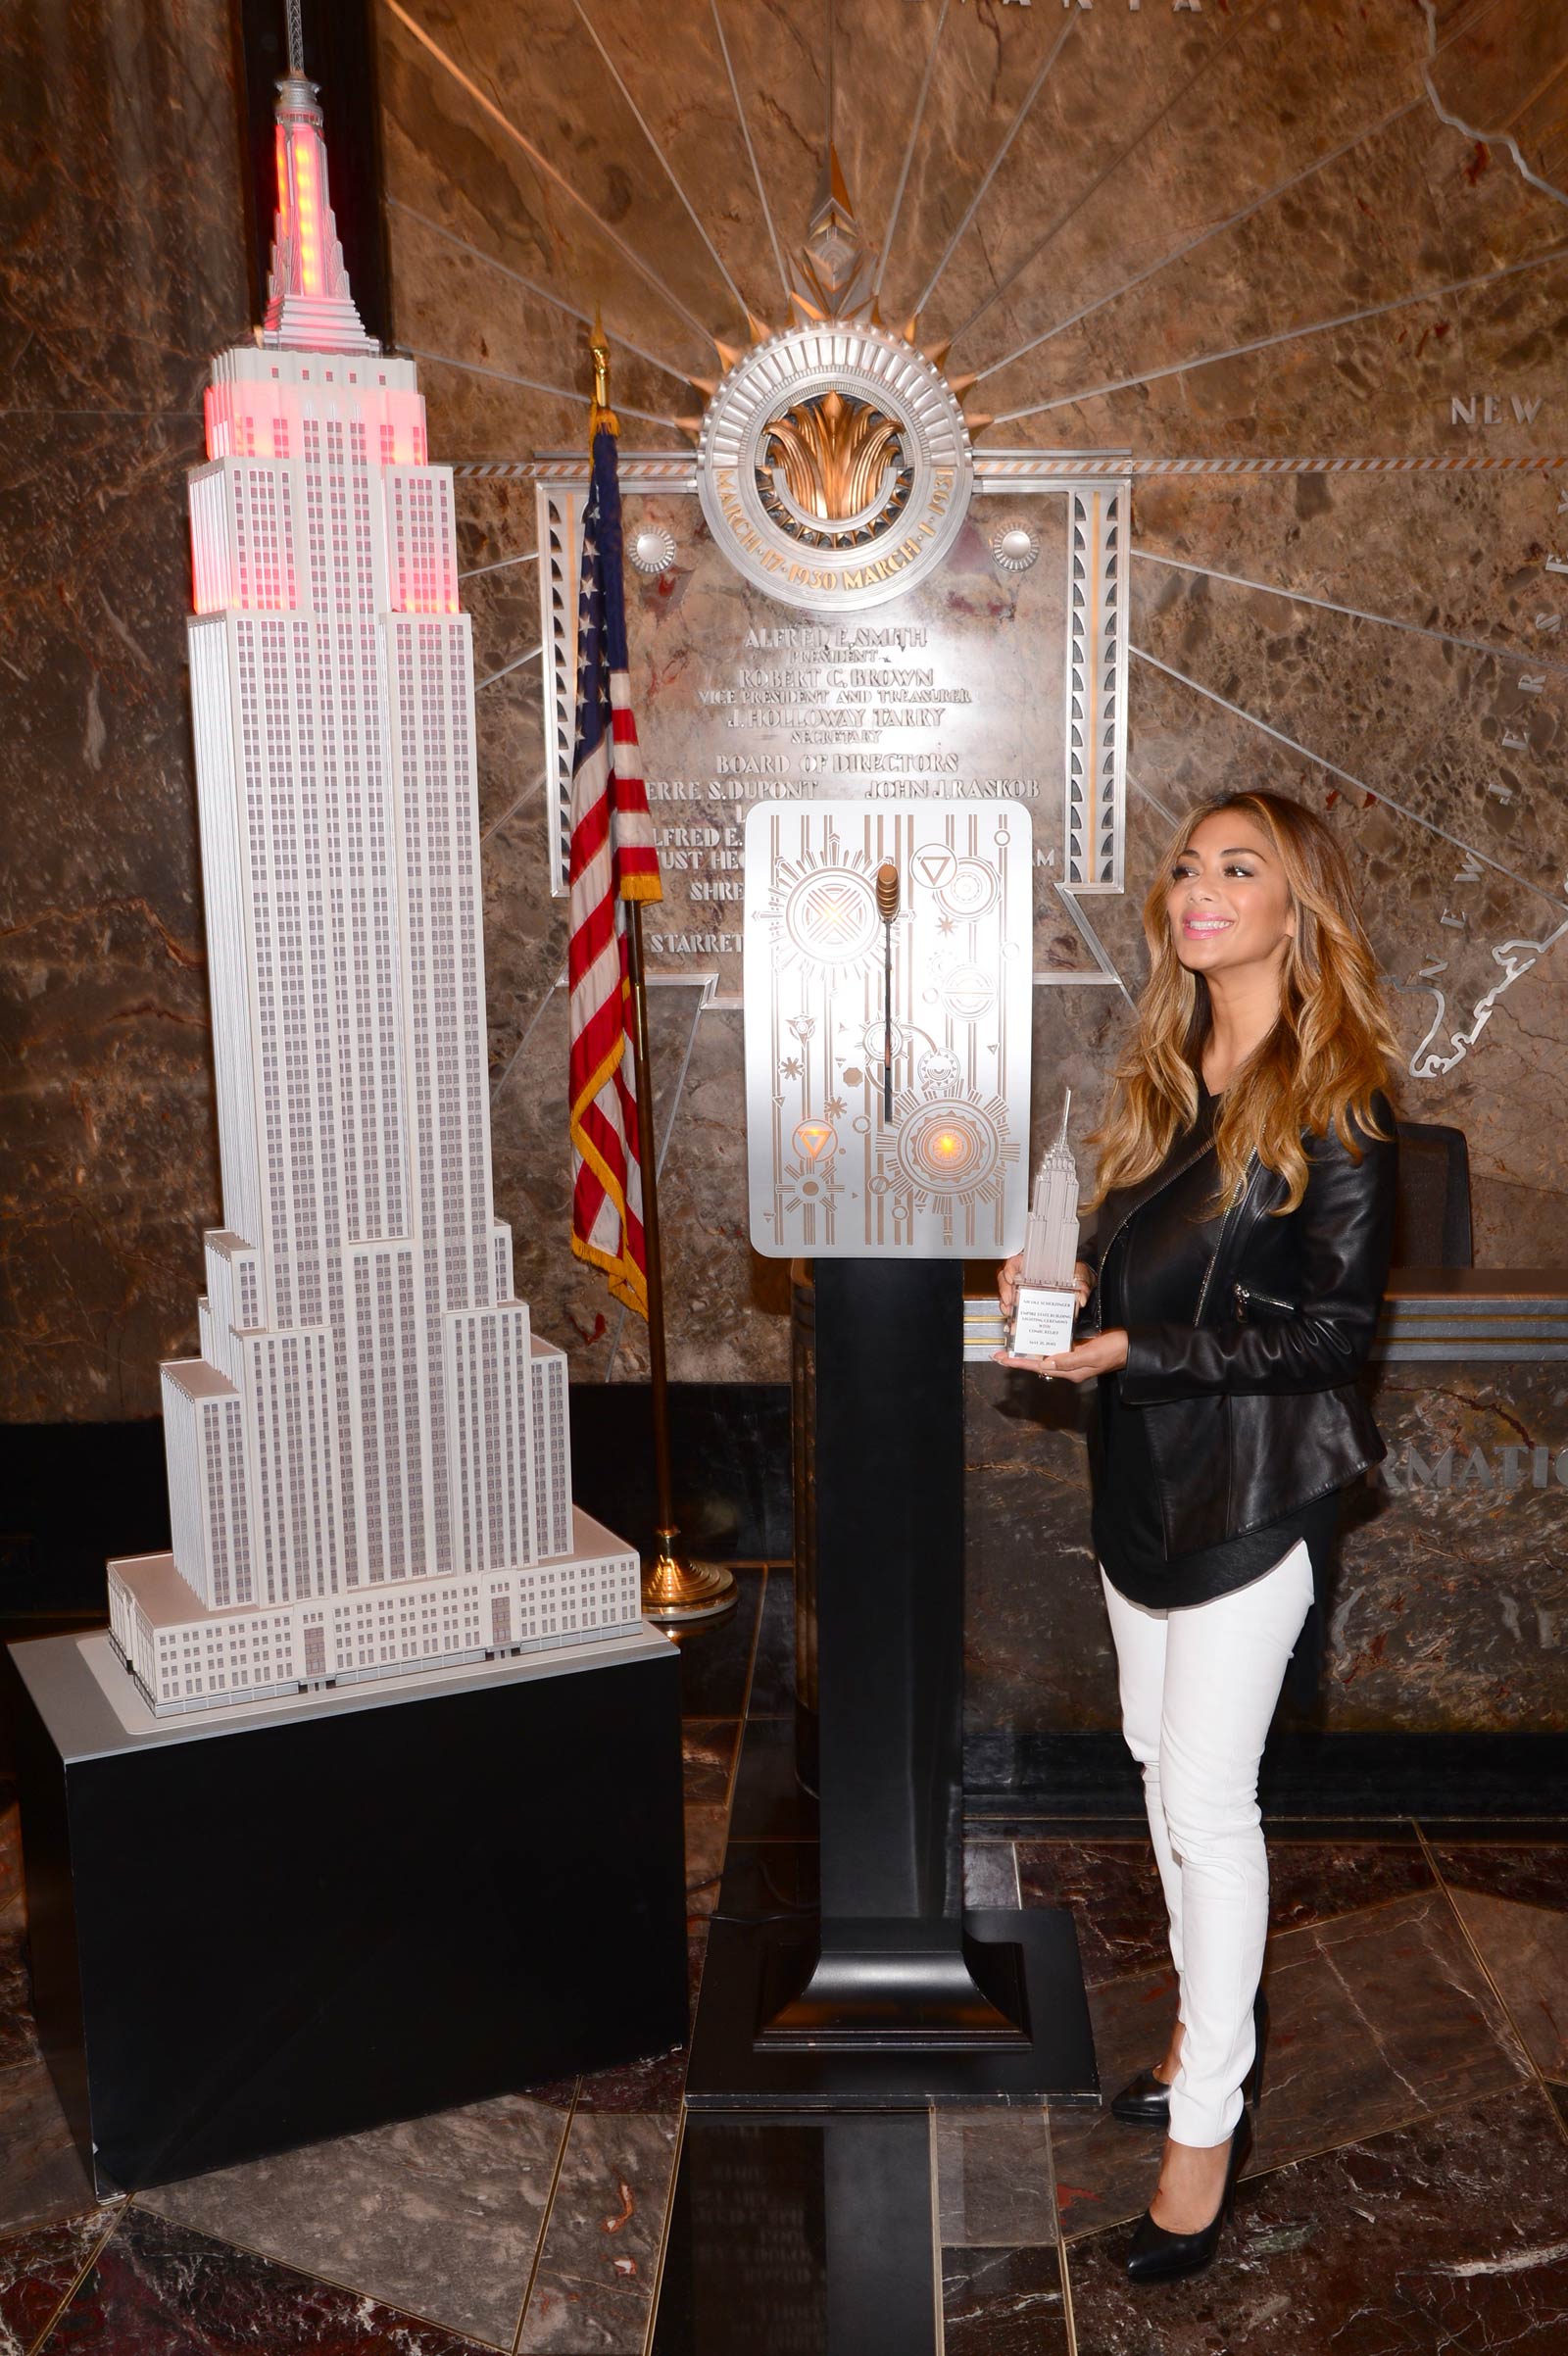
[{"x": 613, "y": 860}]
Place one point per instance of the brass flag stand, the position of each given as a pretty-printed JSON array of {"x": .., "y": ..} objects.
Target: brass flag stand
[{"x": 674, "y": 1592}]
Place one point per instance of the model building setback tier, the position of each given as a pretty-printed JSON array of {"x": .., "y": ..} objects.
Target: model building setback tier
[{"x": 186, "y": 1660}]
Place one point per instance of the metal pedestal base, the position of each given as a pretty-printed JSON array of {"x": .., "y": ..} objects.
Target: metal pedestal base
[
  {"x": 739, "y": 2062},
  {"x": 894, "y": 1995}
]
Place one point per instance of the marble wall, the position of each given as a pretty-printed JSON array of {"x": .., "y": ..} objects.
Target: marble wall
[
  {"x": 122, "y": 269},
  {"x": 1448, "y": 1602},
  {"x": 1227, "y": 235}
]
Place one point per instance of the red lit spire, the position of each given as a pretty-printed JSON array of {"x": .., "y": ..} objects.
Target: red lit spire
[{"x": 309, "y": 305}]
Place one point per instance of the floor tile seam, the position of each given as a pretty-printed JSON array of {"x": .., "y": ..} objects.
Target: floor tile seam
[
  {"x": 1390, "y": 1816},
  {"x": 1064, "y": 2272},
  {"x": 407, "y": 2171},
  {"x": 751, "y": 1667},
  {"x": 395, "y": 2305},
  {"x": 83, "y": 2270},
  {"x": 1505, "y": 1898},
  {"x": 545, "y": 2216},
  {"x": 1533, "y": 2067},
  {"x": 1508, "y": 1832},
  {"x": 989, "y": 2114},
  {"x": 745, "y": 1720},
  {"x": 1421, "y": 1899},
  {"x": 1351, "y": 1914},
  {"x": 1052, "y": 2210},
  {"x": 1057, "y": 1827},
  {"x": 1289, "y": 1931},
  {"x": 663, "y": 2231},
  {"x": 1402, "y": 2125},
  {"x": 939, "y": 2321}
]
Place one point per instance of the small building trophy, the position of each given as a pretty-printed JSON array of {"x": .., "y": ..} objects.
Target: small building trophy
[{"x": 1043, "y": 1312}]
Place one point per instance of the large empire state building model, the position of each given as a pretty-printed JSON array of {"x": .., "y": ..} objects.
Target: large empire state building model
[{"x": 369, "y": 1464}]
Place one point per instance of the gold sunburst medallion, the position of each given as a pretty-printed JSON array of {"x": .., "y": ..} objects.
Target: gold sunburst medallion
[
  {"x": 831, "y": 470},
  {"x": 833, "y": 460}
]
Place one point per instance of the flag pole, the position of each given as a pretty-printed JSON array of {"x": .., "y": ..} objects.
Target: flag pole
[{"x": 672, "y": 1590}]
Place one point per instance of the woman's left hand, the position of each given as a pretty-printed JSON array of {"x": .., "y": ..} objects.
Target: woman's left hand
[{"x": 1101, "y": 1353}]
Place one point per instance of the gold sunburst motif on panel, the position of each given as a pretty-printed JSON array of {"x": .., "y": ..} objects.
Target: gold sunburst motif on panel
[
  {"x": 834, "y": 453},
  {"x": 831, "y": 282},
  {"x": 834, "y": 460}
]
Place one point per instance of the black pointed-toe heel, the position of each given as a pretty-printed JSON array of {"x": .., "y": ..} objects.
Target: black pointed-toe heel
[
  {"x": 1145, "y": 2100},
  {"x": 1155, "y": 2256}
]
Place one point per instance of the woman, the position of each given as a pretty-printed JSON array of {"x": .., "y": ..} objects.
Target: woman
[{"x": 1246, "y": 1191}]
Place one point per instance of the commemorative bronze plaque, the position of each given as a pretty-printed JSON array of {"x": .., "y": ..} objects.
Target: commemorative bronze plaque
[{"x": 835, "y": 598}]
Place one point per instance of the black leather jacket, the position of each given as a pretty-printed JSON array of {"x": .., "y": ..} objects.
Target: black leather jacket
[{"x": 1245, "y": 1333}]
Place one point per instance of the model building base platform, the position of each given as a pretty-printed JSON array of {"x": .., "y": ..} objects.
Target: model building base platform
[{"x": 258, "y": 1932}]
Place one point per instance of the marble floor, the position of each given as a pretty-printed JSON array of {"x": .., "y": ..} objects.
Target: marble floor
[{"x": 1408, "y": 2191}]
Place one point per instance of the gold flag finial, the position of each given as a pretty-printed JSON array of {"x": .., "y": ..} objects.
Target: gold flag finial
[{"x": 600, "y": 413}]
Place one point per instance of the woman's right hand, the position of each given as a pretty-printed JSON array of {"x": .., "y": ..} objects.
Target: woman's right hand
[
  {"x": 1008, "y": 1282},
  {"x": 1083, "y": 1282}
]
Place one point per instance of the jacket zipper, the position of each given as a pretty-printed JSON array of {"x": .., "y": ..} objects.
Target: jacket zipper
[
  {"x": 1273, "y": 1300},
  {"x": 1234, "y": 1211}
]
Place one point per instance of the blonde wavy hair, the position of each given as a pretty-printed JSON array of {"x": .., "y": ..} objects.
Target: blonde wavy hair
[{"x": 1330, "y": 1047}]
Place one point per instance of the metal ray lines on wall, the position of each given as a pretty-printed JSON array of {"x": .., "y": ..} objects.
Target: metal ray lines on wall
[
  {"x": 1026, "y": 261},
  {"x": 915, "y": 122},
  {"x": 1283, "y": 335},
  {"x": 542, "y": 164},
  {"x": 746, "y": 134},
  {"x": 664, "y": 163},
  {"x": 532, "y": 384},
  {"x": 1321, "y": 760},
  {"x": 994, "y": 165},
  {"x": 1180, "y": 253},
  {"x": 463, "y": 245},
  {"x": 1202, "y": 237},
  {"x": 1328, "y": 605}
]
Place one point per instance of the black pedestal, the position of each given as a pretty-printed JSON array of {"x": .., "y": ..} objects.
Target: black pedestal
[
  {"x": 895, "y": 1995},
  {"x": 250, "y": 1936}
]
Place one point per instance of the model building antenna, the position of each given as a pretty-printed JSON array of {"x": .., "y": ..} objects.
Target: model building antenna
[
  {"x": 1066, "y": 1107},
  {"x": 310, "y": 307}
]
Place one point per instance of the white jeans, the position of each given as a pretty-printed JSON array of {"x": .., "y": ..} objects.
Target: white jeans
[{"x": 1199, "y": 1687}]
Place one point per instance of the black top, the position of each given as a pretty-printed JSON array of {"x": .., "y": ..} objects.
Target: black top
[{"x": 1128, "y": 1535}]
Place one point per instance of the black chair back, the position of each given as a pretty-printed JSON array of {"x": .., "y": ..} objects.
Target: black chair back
[{"x": 1432, "y": 1224}]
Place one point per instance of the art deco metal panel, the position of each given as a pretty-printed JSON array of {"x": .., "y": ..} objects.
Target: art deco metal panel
[{"x": 854, "y": 1151}]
